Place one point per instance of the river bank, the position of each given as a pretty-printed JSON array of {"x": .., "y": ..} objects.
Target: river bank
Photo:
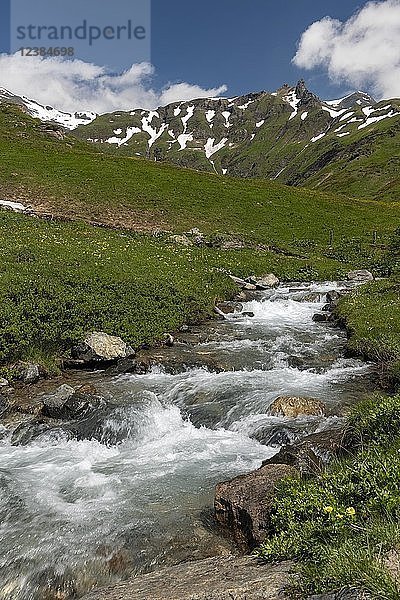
[{"x": 163, "y": 439}]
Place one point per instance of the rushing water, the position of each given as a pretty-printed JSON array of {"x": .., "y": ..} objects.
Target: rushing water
[{"x": 75, "y": 514}]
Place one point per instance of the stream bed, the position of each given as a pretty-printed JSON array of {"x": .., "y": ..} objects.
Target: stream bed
[{"x": 81, "y": 513}]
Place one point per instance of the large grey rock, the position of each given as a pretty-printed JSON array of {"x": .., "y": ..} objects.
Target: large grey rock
[
  {"x": 57, "y": 399},
  {"x": 27, "y": 372},
  {"x": 267, "y": 281},
  {"x": 293, "y": 406},
  {"x": 227, "y": 578},
  {"x": 360, "y": 276},
  {"x": 71, "y": 406},
  {"x": 243, "y": 504},
  {"x": 101, "y": 347}
]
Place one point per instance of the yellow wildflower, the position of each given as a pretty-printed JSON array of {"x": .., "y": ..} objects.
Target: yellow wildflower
[
  {"x": 351, "y": 511},
  {"x": 328, "y": 509}
]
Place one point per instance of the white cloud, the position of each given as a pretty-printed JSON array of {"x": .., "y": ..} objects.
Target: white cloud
[
  {"x": 363, "y": 51},
  {"x": 73, "y": 85}
]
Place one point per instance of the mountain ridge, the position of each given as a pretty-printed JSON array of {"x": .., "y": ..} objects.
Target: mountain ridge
[{"x": 349, "y": 145}]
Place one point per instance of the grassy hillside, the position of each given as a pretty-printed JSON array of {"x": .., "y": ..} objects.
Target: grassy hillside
[
  {"x": 59, "y": 279},
  {"x": 352, "y": 150},
  {"x": 70, "y": 178}
]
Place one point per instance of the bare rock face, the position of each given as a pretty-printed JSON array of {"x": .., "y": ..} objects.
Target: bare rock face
[
  {"x": 360, "y": 276},
  {"x": 228, "y": 578},
  {"x": 293, "y": 406},
  {"x": 101, "y": 347},
  {"x": 243, "y": 504}
]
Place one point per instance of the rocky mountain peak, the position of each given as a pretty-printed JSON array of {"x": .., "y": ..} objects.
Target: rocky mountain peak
[{"x": 303, "y": 93}]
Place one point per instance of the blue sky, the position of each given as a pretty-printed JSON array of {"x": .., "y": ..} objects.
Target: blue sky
[
  {"x": 198, "y": 46},
  {"x": 247, "y": 45}
]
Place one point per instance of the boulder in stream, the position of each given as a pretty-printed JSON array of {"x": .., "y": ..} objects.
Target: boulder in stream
[
  {"x": 227, "y": 578},
  {"x": 101, "y": 347},
  {"x": 311, "y": 454},
  {"x": 27, "y": 372},
  {"x": 294, "y": 406},
  {"x": 243, "y": 504},
  {"x": 229, "y": 308},
  {"x": 70, "y": 404},
  {"x": 267, "y": 281}
]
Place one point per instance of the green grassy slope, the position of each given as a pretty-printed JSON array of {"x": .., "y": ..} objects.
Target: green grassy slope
[
  {"x": 358, "y": 153},
  {"x": 70, "y": 178},
  {"x": 59, "y": 279}
]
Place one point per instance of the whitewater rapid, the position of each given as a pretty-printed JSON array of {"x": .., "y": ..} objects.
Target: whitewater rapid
[{"x": 79, "y": 514}]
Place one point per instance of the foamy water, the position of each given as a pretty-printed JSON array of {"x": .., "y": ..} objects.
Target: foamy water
[{"x": 141, "y": 491}]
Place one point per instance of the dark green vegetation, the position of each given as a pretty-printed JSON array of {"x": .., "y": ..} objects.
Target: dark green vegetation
[
  {"x": 59, "y": 280},
  {"x": 344, "y": 524},
  {"x": 261, "y": 135}
]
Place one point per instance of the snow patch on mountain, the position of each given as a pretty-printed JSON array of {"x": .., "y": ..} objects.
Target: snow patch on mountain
[
  {"x": 294, "y": 101},
  {"x": 211, "y": 149},
  {"x": 318, "y": 137},
  {"x": 183, "y": 139}
]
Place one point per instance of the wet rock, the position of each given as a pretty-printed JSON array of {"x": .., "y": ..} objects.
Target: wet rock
[
  {"x": 71, "y": 406},
  {"x": 248, "y": 314},
  {"x": 55, "y": 401},
  {"x": 323, "y": 317},
  {"x": 243, "y": 504},
  {"x": 229, "y": 307},
  {"x": 360, "y": 276},
  {"x": 219, "y": 578},
  {"x": 312, "y": 297},
  {"x": 136, "y": 366},
  {"x": 28, "y": 431},
  {"x": 174, "y": 360},
  {"x": 27, "y": 372},
  {"x": 333, "y": 297},
  {"x": 266, "y": 281},
  {"x": 101, "y": 347},
  {"x": 293, "y": 406},
  {"x": 278, "y": 435},
  {"x": 313, "y": 453},
  {"x": 4, "y": 405}
]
